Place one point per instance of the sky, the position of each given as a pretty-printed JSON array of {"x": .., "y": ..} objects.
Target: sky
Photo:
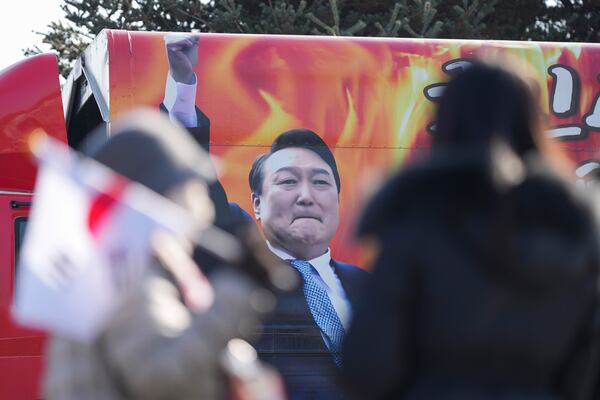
[{"x": 18, "y": 19}]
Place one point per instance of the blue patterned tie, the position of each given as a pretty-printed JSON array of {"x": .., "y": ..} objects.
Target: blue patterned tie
[{"x": 321, "y": 309}]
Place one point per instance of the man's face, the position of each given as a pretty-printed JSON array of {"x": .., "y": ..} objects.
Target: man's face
[{"x": 299, "y": 205}]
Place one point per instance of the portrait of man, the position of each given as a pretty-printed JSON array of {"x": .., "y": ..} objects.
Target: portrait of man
[
  {"x": 295, "y": 194},
  {"x": 295, "y": 198}
]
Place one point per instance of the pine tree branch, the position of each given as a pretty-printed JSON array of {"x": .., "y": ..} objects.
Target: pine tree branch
[
  {"x": 393, "y": 25},
  {"x": 336, "y": 16},
  {"x": 409, "y": 29},
  {"x": 357, "y": 27},
  {"x": 320, "y": 23}
]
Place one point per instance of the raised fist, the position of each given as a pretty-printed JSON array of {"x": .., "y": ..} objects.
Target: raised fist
[{"x": 182, "y": 53}]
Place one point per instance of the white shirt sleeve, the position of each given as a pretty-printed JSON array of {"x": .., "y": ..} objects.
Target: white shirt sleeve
[{"x": 180, "y": 102}]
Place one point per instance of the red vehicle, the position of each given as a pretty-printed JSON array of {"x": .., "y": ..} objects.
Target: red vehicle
[
  {"x": 35, "y": 103},
  {"x": 371, "y": 99}
]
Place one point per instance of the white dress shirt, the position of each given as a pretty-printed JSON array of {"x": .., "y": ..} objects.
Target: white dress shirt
[
  {"x": 180, "y": 102},
  {"x": 325, "y": 277}
]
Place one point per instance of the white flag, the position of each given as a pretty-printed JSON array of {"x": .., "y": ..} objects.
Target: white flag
[{"x": 87, "y": 241}]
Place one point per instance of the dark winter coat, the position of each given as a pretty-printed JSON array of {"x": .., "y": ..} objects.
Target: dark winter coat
[{"x": 484, "y": 288}]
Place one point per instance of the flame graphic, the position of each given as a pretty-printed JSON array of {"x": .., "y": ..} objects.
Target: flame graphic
[{"x": 363, "y": 96}]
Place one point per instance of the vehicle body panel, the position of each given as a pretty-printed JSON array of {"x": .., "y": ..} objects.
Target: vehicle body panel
[{"x": 30, "y": 100}]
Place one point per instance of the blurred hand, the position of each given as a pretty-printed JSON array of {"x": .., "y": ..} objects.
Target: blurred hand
[
  {"x": 249, "y": 378},
  {"x": 182, "y": 53},
  {"x": 266, "y": 385},
  {"x": 174, "y": 256}
]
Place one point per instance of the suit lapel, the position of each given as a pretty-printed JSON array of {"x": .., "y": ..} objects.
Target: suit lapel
[{"x": 350, "y": 285}]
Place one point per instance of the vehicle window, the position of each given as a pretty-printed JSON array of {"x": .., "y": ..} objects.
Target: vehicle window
[{"x": 20, "y": 226}]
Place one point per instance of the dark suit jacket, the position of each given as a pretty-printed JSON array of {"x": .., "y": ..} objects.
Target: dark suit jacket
[
  {"x": 292, "y": 342},
  {"x": 201, "y": 133}
]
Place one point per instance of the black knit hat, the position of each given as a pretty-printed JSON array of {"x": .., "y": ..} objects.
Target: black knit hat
[
  {"x": 145, "y": 147},
  {"x": 298, "y": 137}
]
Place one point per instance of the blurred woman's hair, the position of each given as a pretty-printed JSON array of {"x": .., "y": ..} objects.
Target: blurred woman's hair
[
  {"x": 487, "y": 105},
  {"x": 487, "y": 102}
]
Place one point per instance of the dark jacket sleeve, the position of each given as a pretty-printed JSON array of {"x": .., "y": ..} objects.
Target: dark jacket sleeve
[
  {"x": 579, "y": 377},
  {"x": 201, "y": 133},
  {"x": 378, "y": 346}
]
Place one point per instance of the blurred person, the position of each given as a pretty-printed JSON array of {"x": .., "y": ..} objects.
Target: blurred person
[
  {"x": 157, "y": 346},
  {"x": 486, "y": 281},
  {"x": 295, "y": 197}
]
